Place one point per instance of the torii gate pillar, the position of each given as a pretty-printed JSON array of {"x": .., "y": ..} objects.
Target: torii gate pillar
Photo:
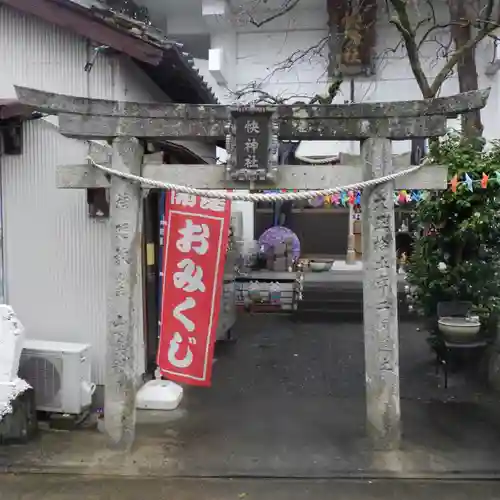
[
  {"x": 125, "y": 295},
  {"x": 380, "y": 299}
]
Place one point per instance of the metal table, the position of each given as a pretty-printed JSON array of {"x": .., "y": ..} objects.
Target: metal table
[{"x": 443, "y": 349}]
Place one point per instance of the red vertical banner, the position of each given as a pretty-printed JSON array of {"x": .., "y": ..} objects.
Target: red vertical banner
[{"x": 195, "y": 245}]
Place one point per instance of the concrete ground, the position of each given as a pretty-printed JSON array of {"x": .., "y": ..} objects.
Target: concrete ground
[
  {"x": 287, "y": 401},
  {"x": 54, "y": 487}
]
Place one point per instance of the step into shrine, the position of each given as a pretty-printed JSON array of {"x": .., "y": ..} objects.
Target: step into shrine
[{"x": 335, "y": 296}]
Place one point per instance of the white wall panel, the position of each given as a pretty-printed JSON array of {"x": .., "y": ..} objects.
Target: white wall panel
[
  {"x": 56, "y": 257},
  {"x": 39, "y": 55},
  {"x": 134, "y": 85}
]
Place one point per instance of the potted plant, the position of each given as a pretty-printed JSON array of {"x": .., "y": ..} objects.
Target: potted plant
[{"x": 457, "y": 253}]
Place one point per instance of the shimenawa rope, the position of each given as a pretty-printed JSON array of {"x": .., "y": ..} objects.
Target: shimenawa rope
[{"x": 238, "y": 196}]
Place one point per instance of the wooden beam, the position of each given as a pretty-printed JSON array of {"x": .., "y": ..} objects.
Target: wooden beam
[
  {"x": 446, "y": 106},
  {"x": 51, "y": 103},
  {"x": 290, "y": 177},
  {"x": 98, "y": 127},
  {"x": 83, "y": 176},
  {"x": 12, "y": 108},
  {"x": 79, "y": 20}
]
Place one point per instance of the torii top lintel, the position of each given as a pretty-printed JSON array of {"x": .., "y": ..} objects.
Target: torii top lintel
[{"x": 98, "y": 118}]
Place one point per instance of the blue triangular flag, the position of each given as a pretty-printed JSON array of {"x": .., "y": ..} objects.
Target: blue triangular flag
[{"x": 468, "y": 182}]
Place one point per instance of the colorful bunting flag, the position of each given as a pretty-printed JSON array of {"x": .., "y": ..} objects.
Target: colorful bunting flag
[
  {"x": 351, "y": 197},
  {"x": 484, "y": 181},
  {"x": 468, "y": 182},
  {"x": 345, "y": 198},
  {"x": 415, "y": 196}
]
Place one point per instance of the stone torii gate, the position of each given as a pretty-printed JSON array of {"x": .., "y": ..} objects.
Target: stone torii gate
[{"x": 251, "y": 135}]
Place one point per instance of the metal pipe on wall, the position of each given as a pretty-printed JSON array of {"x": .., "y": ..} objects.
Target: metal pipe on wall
[{"x": 350, "y": 257}]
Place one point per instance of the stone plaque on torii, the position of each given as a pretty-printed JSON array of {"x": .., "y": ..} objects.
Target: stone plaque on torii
[{"x": 251, "y": 135}]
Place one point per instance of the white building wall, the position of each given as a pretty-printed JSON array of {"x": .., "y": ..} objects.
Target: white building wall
[
  {"x": 56, "y": 257},
  {"x": 39, "y": 55},
  {"x": 259, "y": 51},
  {"x": 253, "y": 55}
]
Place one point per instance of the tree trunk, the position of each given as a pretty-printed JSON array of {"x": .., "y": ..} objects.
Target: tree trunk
[{"x": 461, "y": 31}]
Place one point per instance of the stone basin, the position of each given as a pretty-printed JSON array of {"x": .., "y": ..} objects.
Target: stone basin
[{"x": 460, "y": 330}]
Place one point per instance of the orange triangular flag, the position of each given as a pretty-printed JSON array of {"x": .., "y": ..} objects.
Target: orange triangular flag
[
  {"x": 351, "y": 197},
  {"x": 454, "y": 183},
  {"x": 484, "y": 181}
]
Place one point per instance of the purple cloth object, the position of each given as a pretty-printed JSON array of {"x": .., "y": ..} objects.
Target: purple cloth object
[{"x": 278, "y": 234}]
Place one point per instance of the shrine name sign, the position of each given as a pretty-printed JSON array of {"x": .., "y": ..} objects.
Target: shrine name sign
[
  {"x": 252, "y": 144},
  {"x": 196, "y": 239}
]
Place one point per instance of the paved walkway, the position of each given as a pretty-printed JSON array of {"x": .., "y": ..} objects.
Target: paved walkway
[
  {"x": 288, "y": 401},
  {"x": 53, "y": 487}
]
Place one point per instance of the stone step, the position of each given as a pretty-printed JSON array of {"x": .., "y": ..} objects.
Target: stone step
[
  {"x": 338, "y": 311},
  {"x": 356, "y": 295},
  {"x": 341, "y": 300},
  {"x": 324, "y": 316},
  {"x": 340, "y": 294},
  {"x": 345, "y": 316},
  {"x": 309, "y": 300},
  {"x": 330, "y": 305}
]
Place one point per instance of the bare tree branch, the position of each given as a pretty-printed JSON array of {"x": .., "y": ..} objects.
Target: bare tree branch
[
  {"x": 488, "y": 11},
  {"x": 263, "y": 97},
  {"x": 461, "y": 32},
  {"x": 403, "y": 24},
  {"x": 459, "y": 51},
  {"x": 470, "y": 21},
  {"x": 430, "y": 30},
  {"x": 409, "y": 34},
  {"x": 287, "y": 6},
  {"x": 301, "y": 54}
]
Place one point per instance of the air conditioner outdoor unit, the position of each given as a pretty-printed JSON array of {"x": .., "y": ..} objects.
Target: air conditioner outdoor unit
[{"x": 59, "y": 372}]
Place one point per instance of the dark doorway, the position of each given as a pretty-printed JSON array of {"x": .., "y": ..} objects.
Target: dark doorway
[{"x": 151, "y": 267}]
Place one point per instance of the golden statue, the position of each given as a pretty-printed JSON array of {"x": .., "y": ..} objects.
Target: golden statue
[{"x": 353, "y": 36}]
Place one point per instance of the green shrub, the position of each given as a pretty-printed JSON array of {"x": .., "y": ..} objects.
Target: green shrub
[{"x": 461, "y": 259}]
